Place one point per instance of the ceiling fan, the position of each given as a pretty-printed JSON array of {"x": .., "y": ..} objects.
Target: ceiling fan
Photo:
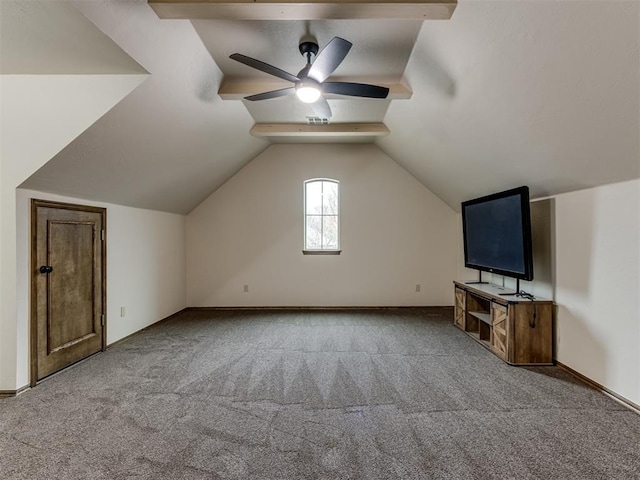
[{"x": 309, "y": 83}]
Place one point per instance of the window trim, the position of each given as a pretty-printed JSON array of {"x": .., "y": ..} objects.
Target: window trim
[{"x": 319, "y": 251}]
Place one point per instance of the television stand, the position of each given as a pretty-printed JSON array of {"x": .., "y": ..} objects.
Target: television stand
[{"x": 517, "y": 330}]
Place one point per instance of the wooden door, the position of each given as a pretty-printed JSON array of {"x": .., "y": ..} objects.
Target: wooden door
[{"x": 68, "y": 285}]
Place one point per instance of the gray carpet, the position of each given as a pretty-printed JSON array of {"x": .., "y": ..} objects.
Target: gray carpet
[{"x": 378, "y": 394}]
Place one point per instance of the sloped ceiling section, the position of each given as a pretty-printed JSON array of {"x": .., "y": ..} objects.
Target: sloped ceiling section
[
  {"x": 544, "y": 94},
  {"x": 40, "y": 37},
  {"x": 504, "y": 94},
  {"x": 53, "y": 86},
  {"x": 171, "y": 142}
]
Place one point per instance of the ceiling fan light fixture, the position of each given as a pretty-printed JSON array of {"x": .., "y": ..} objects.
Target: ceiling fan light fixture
[{"x": 308, "y": 91}]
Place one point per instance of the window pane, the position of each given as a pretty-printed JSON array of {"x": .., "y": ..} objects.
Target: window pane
[
  {"x": 330, "y": 198},
  {"x": 314, "y": 232},
  {"x": 321, "y": 215},
  {"x": 314, "y": 197},
  {"x": 330, "y": 231}
]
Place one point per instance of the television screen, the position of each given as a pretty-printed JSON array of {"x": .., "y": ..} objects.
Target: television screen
[{"x": 497, "y": 234}]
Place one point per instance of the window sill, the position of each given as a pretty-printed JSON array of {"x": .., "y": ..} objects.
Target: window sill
[{"x": 321, "y": 252}]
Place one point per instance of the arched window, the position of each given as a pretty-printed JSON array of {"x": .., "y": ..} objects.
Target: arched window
[{"x": 322, "y": 215}]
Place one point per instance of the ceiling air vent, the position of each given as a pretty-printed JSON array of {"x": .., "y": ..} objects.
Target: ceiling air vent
[{"x": 317, "y": 121}]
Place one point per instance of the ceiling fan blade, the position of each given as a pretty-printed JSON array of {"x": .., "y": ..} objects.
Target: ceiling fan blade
[
  {"x": 272, "y": 94},
  {"x": 264, "y": 67},
  {"x": 355, "y": 89},
  {"x": 329, "y": 58},
  {"x": 321, "y": 108}
]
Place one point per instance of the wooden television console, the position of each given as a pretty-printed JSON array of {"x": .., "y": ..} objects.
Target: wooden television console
[{"x": 516, "y": 329}]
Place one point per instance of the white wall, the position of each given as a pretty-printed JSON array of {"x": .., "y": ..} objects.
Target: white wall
[
  {"x": 41, "y": 114},
  {"x": 587, "y": 259},
  {"x": 394, "y": 234},
  {"x": 597, "y": 285},
  {"x": 145, "y": 269}
]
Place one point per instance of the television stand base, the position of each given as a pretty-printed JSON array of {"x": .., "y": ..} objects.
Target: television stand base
[
  {"x": 479, "y": 281},
  {"x": 514, "y": 293}
]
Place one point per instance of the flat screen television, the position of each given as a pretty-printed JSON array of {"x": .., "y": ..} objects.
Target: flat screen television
[{"x": 497, "y": 234}]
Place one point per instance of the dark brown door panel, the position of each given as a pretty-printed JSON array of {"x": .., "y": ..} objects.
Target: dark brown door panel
[{"x": 68, "y": 294}]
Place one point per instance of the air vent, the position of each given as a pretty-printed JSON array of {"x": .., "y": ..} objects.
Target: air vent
[{"x": 317, "y": 121}]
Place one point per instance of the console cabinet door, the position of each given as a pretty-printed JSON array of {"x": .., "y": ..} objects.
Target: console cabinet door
[
  {"x": 499, "y": 336},
  {"x": 459, "y": 314}
]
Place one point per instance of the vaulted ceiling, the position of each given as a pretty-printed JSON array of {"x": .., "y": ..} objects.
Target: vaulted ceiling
[{"x": 503, "y": 94}]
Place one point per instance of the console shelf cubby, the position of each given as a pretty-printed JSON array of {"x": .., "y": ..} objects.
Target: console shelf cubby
[{"x": 517, "y": 330}]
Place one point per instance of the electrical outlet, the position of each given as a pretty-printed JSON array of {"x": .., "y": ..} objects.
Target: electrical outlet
[
  {"x": 122, "y": 311},
  {"x": 246, "y": 289},
  {"x": 418, "y": 287}
]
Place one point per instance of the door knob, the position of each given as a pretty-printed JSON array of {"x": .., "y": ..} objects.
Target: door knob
[{"x": 46, "y": 269}]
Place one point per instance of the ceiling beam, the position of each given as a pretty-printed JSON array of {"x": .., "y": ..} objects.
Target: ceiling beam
[
  {"x": 233, "y": 89},
  {"x": 307, "y": 10},
  {"x": 330, "y": 130}
]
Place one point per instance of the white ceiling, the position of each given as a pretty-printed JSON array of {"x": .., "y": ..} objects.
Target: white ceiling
[
  {"x": 542, "y": 93},
  {"x": 172, "y": 141},
  {"x": 504, "y": 94},
  {"x": 52, "y": 38}
]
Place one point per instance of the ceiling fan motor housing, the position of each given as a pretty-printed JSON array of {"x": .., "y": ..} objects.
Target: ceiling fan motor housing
[{"x": 308, "y": 48}]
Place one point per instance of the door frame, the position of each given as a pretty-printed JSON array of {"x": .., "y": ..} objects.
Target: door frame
[{"x": 35, "y": 204}]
